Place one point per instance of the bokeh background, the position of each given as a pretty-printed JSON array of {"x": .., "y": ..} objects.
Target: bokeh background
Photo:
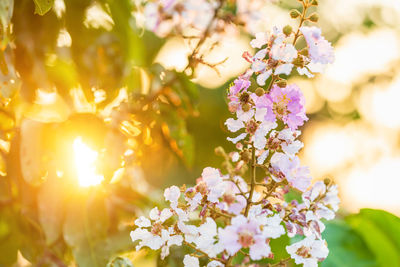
[{"x": 353, "y": 135}]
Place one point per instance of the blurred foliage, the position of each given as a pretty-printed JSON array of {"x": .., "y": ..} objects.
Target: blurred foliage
[{"x": 58, "y": 55}]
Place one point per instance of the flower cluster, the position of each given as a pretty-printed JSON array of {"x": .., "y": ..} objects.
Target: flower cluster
[
  {"x": 165, "y": 17},
  {"x": 278, "y": 55},
  {"x": 223, "y": 216}
]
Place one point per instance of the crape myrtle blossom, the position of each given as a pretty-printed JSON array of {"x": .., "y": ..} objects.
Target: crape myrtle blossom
[
  {"x": 319, "y": 49},
  {"x": 233, "y": 213},
  {"x": 308, "y": 251},
  {"x": 277, "y": 55},
  {"x": 166, "y": 17}
]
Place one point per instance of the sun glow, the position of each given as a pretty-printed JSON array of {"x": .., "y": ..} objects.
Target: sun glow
[{"x": 85, "y": 159}]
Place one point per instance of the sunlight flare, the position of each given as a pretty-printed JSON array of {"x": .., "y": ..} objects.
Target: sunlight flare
[{"x": 85, "y": 159}]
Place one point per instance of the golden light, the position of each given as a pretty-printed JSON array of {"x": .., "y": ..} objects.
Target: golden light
[{"x": 85, "y": 163}]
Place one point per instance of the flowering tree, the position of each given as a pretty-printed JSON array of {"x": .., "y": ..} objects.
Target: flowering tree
[
  {"x": 87, "y": 117},
  {"x": 223, "y": 218}
]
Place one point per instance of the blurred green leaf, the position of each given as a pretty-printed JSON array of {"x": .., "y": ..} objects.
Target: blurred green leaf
[
  {"x": 120, "y": 262},
  {"x": 6, "y": 11},
  {"x": 180, "y": 141},
  {"x": 85, "y": 228},
  {"x": 133, "y": 47},
  {"x": 380, "y": 239},
  {"x": 346, "y": 247},
  {"x": 9, "y": 237},
  {"x": 386, "y": 222},
  {"x": 51, "y": 208},
  {"x": 31, "y": 152},
  {"x": 43, "y": 6}
]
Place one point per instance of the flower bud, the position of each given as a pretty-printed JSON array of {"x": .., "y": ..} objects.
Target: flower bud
[
  {"x": 298, "y": 62},
  {"x": 314, "y": 3},
  {"x": 314, "y": 17},
  {"x": 246, "y": 107},
  {"x": 244, "y": 98},
  {"x": 190, "y": 193},
  {"x": 282, "y": 83},
  {"x": 287, "y": 30},
  {"x": 260, "y": 91},
  {"x": 245, "y": 155},
  {"x": 304, "y": 52},
  {"x": 294, "y": 13},
  {"x": 327, "y": 181},
  {"x": 219, "y": 151}
]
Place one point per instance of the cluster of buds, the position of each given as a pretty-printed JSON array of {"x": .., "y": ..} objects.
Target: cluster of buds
[{"x": 222, "y": 216}]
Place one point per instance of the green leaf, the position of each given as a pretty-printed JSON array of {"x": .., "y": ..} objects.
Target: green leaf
[
  {"x": 346, "y": 247},
  {"x": 43, "y": 6},
  {"x": 387, "y": 223},
  {"x": 6, "y": 11},
  {"x": 31, "y": 152},
  {"x": 180, "y": 141},
  {"x": 51, "y": 208},
  {"x": 120, "y": 262},
  {"x": 133, "y": 47},
  {"x": 378, "y": 240},
  {"x": 9, "y": 237},
  {"x": 85, "y": 229}
]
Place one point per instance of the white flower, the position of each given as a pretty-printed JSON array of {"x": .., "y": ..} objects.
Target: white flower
[
  {"x": 263, "y": 129},
  {"x": 308, "y": 251},
  {"x": 158, "y": 216},
  {"x": 260, "y": 40},
  {"x": 213, "y": 179},
  {"x": 206, "y": 240},
  {"x": 172, "y": 195},
  {"x": 190, "y": 261},
  {"x": 298, "y": 176},
  {"x": 237, "y": 138},
  {"x": 169, "y": 239},
  {"x": 284, "y": 52},
  {"x": 284, "y": 69},
  {"x": 147, "y": 239},
  {"x": 328, "y": 205},
  {"x": 215, "y": 264},
  {"x": 262, "y": 157},
  {"x": 244, "y": 233},
  {"x": 234, "y": 125},
  {"x": 320, "y": 49},
  {"x": 263, "y": 77},
  {"x": 235, "y": 157},
  {"x": 194, "y": 201},
  {"x": 142, "y": 222}
]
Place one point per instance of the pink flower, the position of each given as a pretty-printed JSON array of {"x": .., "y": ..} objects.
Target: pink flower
[
  {"x": 328, "y": 202},
  {"x": 288, "y": 105},
  {"x": 308, "y": 251},
  {"x": 211, "y": 184},
  {"x": 244, "y": 233},
  {"x": 231, "y": 201},
  {"x": 298, "y": 176},
  {"x": 320, "y": 49}
]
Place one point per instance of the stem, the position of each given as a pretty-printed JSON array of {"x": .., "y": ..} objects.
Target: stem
[
  {"x": 280, "y": 263},
  {"x": 253, "y": 181},
  {"x": 226, "y": 215},
  {"x": 201, "y": 252},
  {"x": 273, "y": 79},
  {"x": 205, "y": 35},
  {"x": 302, "y": 20}
]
